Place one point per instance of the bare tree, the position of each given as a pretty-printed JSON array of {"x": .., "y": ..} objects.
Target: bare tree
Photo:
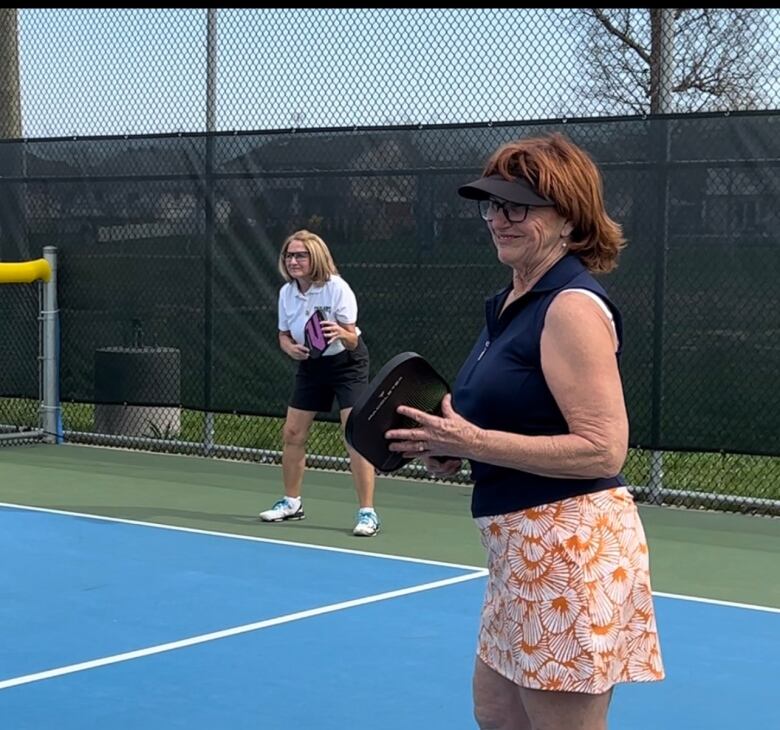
[{"x": 723, "y": 59}]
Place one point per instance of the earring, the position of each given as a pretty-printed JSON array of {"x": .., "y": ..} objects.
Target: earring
[{"x": 563, "y": 243}]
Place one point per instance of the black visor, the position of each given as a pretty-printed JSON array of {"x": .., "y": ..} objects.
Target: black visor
[{"x": 518, "y": 191}]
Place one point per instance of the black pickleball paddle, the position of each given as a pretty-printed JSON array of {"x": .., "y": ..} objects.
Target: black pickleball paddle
[{"x": 407, "y": 379}]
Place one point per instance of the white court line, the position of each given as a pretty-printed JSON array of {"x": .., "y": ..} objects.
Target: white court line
[
  {"x": 717, "y": 602},
  {"x": 481, "y": 569},
  {"x": 251, "y": 538},
  {"x": 236, "y": 630}
]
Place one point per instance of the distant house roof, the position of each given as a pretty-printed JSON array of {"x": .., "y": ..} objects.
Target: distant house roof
[
  {"x": 112, "y": 157},
  {"x": 38, "y": 166},
  {"x": 302, "y": 151}
]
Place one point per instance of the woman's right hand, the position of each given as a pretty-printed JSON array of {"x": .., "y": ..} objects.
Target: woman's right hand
[{"x": 441, "y": 466}]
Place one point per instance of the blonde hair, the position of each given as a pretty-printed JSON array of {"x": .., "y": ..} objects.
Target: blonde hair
[
  {"x": 322, "y": 264},
  {"x": 564, "y": 173}
]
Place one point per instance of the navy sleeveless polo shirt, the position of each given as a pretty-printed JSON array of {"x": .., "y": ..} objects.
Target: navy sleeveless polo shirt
[{"x": 501, "y": 387}]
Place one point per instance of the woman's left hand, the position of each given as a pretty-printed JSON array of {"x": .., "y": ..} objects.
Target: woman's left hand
[
  {"x": 446, "y": 435},
  {"x": 334, "y": 331}
]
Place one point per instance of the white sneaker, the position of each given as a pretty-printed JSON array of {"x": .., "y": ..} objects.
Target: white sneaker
[
  {"x": 367, "y": 523},
  {"x": 284, "y": 509}
]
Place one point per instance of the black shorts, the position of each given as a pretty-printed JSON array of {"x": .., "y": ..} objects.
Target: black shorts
[{"x": 343, "y": 376}]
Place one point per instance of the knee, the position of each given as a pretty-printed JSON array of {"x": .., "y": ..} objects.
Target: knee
[
  {"x": 491, "y": 715},
  {"x": 293, "y": 436},
  {"x": 497, "y": 704}
]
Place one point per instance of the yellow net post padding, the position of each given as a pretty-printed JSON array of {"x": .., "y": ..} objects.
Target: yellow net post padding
[{"x": 25, "y": 272}]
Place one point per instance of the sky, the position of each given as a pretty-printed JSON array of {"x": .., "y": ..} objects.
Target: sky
[{"x": 98, "y": 71}]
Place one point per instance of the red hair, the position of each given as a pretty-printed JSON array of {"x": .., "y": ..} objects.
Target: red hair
[{"x": 565, "y": 174}]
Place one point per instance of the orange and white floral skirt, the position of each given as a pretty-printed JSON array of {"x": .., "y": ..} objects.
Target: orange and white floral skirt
[{"x": 568, "y": 605}]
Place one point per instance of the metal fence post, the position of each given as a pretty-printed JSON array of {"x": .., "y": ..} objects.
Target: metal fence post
[
  {"x": 665, "y": 106},
  {"x": 51, "y": 411}
]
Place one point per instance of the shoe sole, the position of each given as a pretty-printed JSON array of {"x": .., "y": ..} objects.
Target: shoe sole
[
  {"x": 366, "y": 534},
  {"x": 291, "y": 518}
]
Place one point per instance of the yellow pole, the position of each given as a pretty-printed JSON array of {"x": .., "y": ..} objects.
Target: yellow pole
[{"x": 25, "y": 272}]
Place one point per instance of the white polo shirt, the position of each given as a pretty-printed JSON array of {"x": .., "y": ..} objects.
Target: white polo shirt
[{"x": 335, "y": 299}]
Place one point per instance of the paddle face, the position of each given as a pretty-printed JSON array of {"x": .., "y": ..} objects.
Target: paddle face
[
  {"x": 314, "y": 337},
  {"x": 407, "y": 379}
]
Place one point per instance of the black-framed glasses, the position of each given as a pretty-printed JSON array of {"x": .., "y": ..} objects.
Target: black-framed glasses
[
  {"x": 296, "y": 256},
  {"x": 514, "y": 213}
]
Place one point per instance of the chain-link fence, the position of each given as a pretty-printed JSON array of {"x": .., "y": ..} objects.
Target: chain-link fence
[
  {"x": 168, "y": 242},
  {"x": 93, "y": 71}
]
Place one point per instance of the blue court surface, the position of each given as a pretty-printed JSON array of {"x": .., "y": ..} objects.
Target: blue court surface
[{"x": 113, "y": 624}]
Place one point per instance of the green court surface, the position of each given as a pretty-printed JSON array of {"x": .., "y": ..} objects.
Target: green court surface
[{"x": 693, "y": 553}]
